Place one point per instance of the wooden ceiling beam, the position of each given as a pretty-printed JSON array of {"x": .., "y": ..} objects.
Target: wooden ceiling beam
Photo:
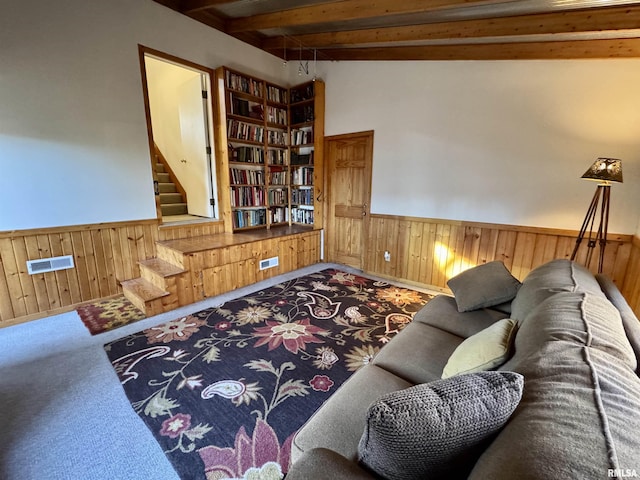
[
  {"x": 606, "y": 19},
  {"x": 617, "y": 48},
  {"x": 190, "y": 6},
  {"x": 339, "y": 11}
]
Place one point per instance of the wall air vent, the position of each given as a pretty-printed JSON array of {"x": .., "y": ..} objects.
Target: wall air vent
[
  {"x": 268, "y": 263},
  {"x": 49, "y": 264}
]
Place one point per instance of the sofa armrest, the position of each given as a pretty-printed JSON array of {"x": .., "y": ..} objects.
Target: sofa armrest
[{"x": 325, "y": 464}]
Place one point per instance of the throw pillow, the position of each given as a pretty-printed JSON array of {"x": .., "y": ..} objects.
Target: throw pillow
[
  {"x": 438, "y": 429},
  {"x": 483, "y": 286},
  {"x": 486, "y": 350}
]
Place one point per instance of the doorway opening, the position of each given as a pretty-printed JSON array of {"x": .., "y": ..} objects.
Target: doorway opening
[{"x": 180, "y": 123}]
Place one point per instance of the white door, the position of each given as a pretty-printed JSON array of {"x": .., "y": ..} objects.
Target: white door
[{"x": 196, "y": 160}]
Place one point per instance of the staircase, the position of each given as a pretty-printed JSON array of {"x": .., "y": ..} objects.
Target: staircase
[
  {"x": 172, "y": 195},
  {"x": 156, "y": 291}
]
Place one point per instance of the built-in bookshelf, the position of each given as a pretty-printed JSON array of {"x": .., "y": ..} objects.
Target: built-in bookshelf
[{"x": 273, "y": 135}]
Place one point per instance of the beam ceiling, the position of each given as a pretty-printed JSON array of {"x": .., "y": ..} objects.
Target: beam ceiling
[{"x": 426, "y": 30}]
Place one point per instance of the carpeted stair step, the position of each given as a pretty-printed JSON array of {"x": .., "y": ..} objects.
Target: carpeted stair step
[
  {"x": 160, "y": 168},
  {"x": 167, "y": 187},
  {"x": 168, "y": 198},
  {"x": 144, "y": 295},
  {"x": 164, "y": 178},
  {"x": 174, "y": 209}
]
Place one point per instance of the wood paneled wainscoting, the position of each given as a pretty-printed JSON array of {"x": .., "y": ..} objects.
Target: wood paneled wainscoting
[
  {"x": 104, "y": 255},
  {"x": 429, "y": 251}
]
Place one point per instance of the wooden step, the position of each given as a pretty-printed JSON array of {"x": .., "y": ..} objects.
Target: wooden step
[
  {"x": 161, "y": 267},
  {"x": 144, "y": 295}
]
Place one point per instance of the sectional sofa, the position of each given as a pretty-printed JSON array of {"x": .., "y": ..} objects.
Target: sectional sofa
[{"x": 557, "y": 354}]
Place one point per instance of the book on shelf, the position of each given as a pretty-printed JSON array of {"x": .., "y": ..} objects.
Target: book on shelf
[
  {"x": 302, "y": 196},
  {"x": 249, "y": 218},
  {"x": 276, "y": 94},
  {"x": 277, "y": 156},
  {"x": 278, "y": 196},
  {"x": 246, "y": 154},
  {"x": 302, "y": 136},
  {"x": 276, "y": 115},
  {"x": 244, "y": 84},
  {"x": 277, "y": 137},
  {"x": 242, "y": 176},
  {"x": 302, "y": 176},
  {"x": 301, "y": 158},
  {"x": 245, "y": 131},
  {"x": 247, "y": 196},
  {"x": 278, "y": 214},
  {"x": 302, "y": 215},
  {"x": 302, "y": 93},
  {"x": 302, "y": 114}
]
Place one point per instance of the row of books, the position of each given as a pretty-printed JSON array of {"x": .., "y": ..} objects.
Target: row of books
[
  {"x": 301, "y": 158},
  {"x": 249, "y": 218},
  {"x": 277, "y": 157},
  {"x": 245, "y": 131},
  {"x": 302, "y": 215},
  {"x": 302, "y": 196},
  {"x": 247, "y": 196},
  {"x": 241, "y": 176},
  {"x": 278, "y": 214},
  {"x": 278, "y": 196},
  {"x": 245, "y": 108},
  {"x": 302, "y": 114},
  {"x": 302, "y": 93},
  {"x": 278, "y": 177},
  {"x": 275, "y": 94},
  {"x": 302, "y": 137},
  {"x": 244, "y": 84},
  {"x": 277, "y": 137},
  {"x": 247, "y": 154},
  {"x": 276, "y": 115},
  {"x": 302, "y": 176}
]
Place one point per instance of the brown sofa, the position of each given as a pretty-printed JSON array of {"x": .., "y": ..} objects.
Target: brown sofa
[{"x": 577, "y": 346}]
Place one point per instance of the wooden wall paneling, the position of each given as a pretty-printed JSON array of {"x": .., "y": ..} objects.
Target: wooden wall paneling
[
  {"x": 80, "y": 266},
  {"x": 16, "y": 303},
  {"x": 61, "y": 276},
  {"x": 6, "y": 307},
  {"x": 28, "y": 287},
  {"x": 39, "y": 285}
]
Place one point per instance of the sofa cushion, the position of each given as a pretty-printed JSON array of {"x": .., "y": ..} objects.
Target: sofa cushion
[
  {"x": 339, "y": 423},
  {"x": 629, "y": 320},
  {"x": 580, "y": 410},
  {"x": 548, "y": 279},
  {"x": 418, "y": 353},
  {"x": 485, "y": 350},
  {"x": 483, "y": 286},
  {"x": 437, "y": 430},
  {"x": 442, "y": 312}
]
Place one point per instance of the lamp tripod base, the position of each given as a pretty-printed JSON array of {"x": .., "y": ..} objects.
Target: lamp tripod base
[{"x": 600, "y": 198}]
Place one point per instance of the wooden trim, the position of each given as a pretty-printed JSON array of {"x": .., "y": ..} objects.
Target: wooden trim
[
  {"x": 618, "y": 237},
  {"x": 636, "y": 242},
  {"x": 172, "y": 176},
  {"x": 75, "y": 228}
]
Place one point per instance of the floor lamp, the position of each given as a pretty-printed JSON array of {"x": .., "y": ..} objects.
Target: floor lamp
[{"x": 604, "y": 170}]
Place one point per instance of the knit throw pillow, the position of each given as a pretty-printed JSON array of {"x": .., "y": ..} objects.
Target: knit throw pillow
[{"x": 438, "y": 429}]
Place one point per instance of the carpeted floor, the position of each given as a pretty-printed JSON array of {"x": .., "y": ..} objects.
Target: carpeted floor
[
  {"x": 104, "y": 315},
  {"x": 225, "y": 389}
]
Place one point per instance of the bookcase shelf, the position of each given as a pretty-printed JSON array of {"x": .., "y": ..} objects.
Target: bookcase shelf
[{"x": 269, "y": 142}]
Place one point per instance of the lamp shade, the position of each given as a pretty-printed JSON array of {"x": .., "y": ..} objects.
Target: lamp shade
[{"x": 605, "y": 169}]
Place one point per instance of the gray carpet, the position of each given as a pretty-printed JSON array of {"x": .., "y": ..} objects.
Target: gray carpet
[{"x": 63, "y": 413}]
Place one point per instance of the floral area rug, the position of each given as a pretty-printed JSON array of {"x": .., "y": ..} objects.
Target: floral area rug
[
  {"x": 225, "y": 389},
  {"x": 105, "y": 315}
]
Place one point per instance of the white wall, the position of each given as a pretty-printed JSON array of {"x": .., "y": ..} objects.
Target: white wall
[
  {"x": 73, "y": 136},
  {"x": 498, "y": 142}
]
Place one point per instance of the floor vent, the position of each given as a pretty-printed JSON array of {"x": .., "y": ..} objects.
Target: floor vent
[
  {"x": 49, "y": 264},
  {"x": 268, "y": 263}
]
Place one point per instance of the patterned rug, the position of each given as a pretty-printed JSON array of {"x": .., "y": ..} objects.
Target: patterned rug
[
  {"x": 105, "y": 315},
  {"x": 225, "y": 389}
]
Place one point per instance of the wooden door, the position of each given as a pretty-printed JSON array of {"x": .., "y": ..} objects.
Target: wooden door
[{"x": 348, "y": 159}]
